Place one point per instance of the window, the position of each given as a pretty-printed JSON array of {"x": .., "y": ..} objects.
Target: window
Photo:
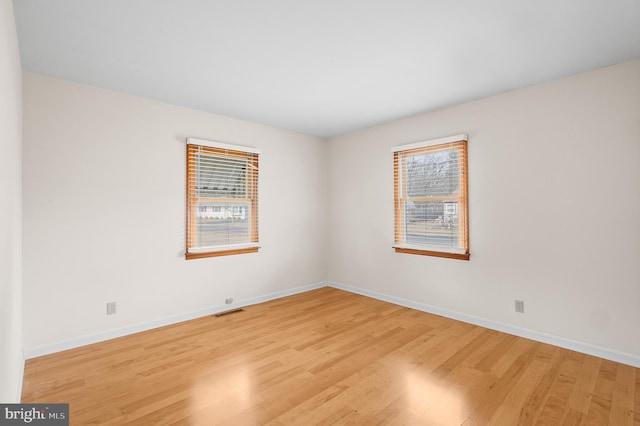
[
  {"x": 222, "y": 199},
  {"x": 431, "y": 198}
]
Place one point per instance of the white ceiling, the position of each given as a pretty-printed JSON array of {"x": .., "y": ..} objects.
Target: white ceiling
[{"x": 323, "y": 67}]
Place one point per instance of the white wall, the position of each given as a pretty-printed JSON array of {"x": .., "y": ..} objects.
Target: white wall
[
  {"x": 10, "y": 210},
  {"x": 554, "y": 207},
  {"x": 554, "y": 181},
  {"x": 104, "y": 212}
]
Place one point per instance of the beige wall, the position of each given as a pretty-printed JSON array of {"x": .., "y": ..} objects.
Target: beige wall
[
  {"x": 553, "y": 212},
  {"x": 10, "y": 210},
  {"x": 554, "y": 181},
  {"x": 104, "y": 213}
]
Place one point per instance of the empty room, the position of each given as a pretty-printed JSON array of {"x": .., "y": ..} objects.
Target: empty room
[{"x": 301, "y": 212}]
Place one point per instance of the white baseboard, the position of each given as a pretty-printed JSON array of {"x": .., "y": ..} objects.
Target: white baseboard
[
  {"x": 124, "y": 331},
  {"x": 586, "y": 348},
  {"x": 624, "y": 358}
]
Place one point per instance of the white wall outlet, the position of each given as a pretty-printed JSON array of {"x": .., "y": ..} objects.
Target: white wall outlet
[
  {"x": 519, "y": 305},
  {"x": 228, "y": 301},
  {"x": 111, "y": 308}
]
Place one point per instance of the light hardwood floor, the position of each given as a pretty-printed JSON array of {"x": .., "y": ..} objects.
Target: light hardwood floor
[{"x": 332, "y": 357}]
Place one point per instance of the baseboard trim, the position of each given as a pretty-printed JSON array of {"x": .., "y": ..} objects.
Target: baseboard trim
[
  {"x": 586, "y": 348},
  {"x": 125, "y": 331}
]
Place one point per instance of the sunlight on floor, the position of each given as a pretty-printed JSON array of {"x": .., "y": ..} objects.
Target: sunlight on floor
[
  {"x": 433, "y": 401},
  {"x": 229, "y": 391}
]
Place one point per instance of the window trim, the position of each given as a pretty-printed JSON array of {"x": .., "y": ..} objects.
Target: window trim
[
  {"x": 403, "y": 247},
  {"x": 191, "y": 201}
]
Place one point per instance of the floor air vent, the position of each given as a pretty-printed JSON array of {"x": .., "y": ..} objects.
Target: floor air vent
[{"x": 232, "y": 311}]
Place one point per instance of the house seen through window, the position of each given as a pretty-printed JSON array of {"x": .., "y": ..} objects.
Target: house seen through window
[
  {"x": 222, "y": 199},
  {"x": 431, "y": 198}
]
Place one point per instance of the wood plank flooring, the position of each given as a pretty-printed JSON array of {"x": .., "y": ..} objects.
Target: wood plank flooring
[{"x": 332, "y": 357}]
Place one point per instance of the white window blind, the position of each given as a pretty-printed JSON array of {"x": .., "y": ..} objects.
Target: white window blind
[
  {"x": 222, "y": 199},
  {"x": 431, "y": 198}
]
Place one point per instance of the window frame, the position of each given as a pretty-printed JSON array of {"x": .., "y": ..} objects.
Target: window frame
[
  {"x": 400, "y": 154},
  {"x": 251, "y": 197}
]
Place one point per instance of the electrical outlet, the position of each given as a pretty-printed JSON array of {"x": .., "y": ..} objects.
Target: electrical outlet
[
  {"x": 519, "y": 305},
  {"x": 111, "y": 308},
  {"x": 228, "y": 301}
]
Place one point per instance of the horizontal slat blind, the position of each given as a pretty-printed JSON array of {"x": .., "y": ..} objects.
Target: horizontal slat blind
[
  {"x": 431, "y": 198},
  {"x": 222, "y": 200}
]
